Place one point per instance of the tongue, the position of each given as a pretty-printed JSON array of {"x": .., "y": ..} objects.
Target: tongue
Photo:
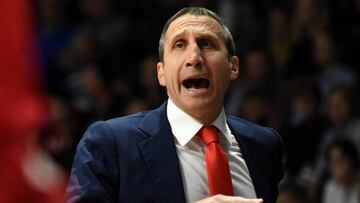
[{"x": 195, "y": 85}]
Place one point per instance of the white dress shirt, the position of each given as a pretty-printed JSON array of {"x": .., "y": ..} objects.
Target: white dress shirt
[{"x": 191, "y": 153}]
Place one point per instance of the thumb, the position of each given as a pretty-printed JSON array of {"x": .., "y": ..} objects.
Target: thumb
[{"x": 243, "y": 200}]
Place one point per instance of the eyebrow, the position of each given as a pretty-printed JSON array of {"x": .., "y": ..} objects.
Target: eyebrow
[{"x": 201, "y": 35}]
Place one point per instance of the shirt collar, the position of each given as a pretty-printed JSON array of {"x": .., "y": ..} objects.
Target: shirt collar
[{"x": 184, "y": 127}]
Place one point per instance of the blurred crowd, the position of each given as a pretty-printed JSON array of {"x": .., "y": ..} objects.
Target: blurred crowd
[{"x": 299, "y": 74}]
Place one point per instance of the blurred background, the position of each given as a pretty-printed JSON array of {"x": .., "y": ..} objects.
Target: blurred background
[{"x": 299, "y": 75}]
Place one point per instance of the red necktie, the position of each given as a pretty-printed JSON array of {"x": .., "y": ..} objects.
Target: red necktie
[{"x": 217, "y": 164}]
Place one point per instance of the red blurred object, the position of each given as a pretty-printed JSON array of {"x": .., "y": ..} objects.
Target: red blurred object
[{"x": 23, "y": 111}]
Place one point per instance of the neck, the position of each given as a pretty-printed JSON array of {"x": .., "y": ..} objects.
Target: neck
[
  {"x": 203, "y": 113},
  {"x": 205, "y": 117}
]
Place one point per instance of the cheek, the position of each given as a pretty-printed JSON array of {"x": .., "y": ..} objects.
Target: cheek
[
  {"x": 223, "y": 72},
  {"x": 171, "y": 75},
  {"x": 219, "y": 61}
]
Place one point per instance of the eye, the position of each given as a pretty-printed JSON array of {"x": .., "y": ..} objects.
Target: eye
[
  {"x": 179, "y": 44},
  {"x": 205, "y": 43}
]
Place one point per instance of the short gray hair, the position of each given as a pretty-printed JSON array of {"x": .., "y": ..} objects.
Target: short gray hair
[{"x": 198, "y": 11}]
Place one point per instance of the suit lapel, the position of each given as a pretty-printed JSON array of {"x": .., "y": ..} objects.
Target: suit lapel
[
  {"x": 159, "y": 153},
  {"x": 245, "y": 137}
]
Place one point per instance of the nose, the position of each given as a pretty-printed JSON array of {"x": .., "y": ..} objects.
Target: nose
[{"x": 195, "y": 58}]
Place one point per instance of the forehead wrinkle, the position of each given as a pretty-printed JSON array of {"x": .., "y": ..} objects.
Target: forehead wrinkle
[
  {"x": 202, "y": 25},
  {"x": 197, "y": 22}
]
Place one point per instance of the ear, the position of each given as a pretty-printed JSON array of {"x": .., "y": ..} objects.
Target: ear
[
  {"x": 161, "y": 73},
  {"x": 234, "y": 67}
]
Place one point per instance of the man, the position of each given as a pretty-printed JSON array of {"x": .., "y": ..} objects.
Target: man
[{"x": 160, "y": 155}]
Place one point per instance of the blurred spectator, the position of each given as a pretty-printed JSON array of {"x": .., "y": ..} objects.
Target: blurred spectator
[
  {"x": 60, "y": 136},
  {"x": 332, "y": 73},
  {"x": 280, "y": 39},
  {"x": 152, "y": 92},
  {"x": 257, "y": 74},
  {"x": 240, "y": 17},
  {"x": 257, "y": 108},
  {"x": 55, "y": 32},
  {"x": 99, "y": 99},
  {"x": 309, "y": 16},
  {"x": 344, "y": 164},
  {"x": 108, "y": 27},
  {"x": 83, "y": 49},
  {"x": 344, "y": 125},
  {"x": 304, "y": 129},
  {"x": 341, "y": 114},
  {"x": 95, "y": 90}
]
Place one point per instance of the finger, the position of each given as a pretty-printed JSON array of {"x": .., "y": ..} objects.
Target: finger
[
  {"x": 229, "y": 199},
  {"x": 251, "y": 201},
  {"x": 232, "y": 199},
  {"x": 244, "y": 200}
]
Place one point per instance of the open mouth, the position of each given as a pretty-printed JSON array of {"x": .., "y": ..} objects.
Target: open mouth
[{"x": 196, "y": 83}]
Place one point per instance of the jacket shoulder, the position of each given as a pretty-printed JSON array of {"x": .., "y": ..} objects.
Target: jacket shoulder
[
  {"x": 110, "y": 131},
  {"x": 126, "y": 121},
  {"x": 258, "y": 132}
]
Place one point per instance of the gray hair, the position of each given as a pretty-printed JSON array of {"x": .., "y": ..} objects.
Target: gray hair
[{"x": 198, "y": 11}]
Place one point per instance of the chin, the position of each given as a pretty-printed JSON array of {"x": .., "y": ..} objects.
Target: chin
[
  {"x": 200, "y": 106},
  {"x": 197, "y": 103}
]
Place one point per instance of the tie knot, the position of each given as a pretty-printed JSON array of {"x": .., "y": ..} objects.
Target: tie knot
[{"x": 209, "y": 134}]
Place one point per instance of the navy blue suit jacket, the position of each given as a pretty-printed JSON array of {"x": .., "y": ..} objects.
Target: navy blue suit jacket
[{"x": 133, "y": 159}]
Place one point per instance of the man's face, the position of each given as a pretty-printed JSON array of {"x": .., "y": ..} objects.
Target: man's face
[{"x": 196, "y": 68}]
